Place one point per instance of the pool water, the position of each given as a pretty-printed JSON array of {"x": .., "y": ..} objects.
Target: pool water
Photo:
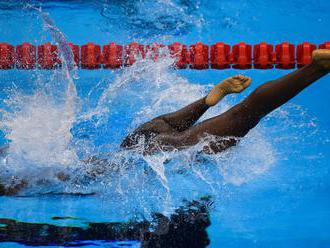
[{"x": 272, "y": 190}]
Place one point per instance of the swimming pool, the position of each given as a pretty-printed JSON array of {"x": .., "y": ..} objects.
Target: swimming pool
[{"x": 270, "y": 191}]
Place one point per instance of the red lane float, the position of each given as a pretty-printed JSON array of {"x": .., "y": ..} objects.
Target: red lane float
[
  {"x": 132, "y": 52},
  {"x": 75, "y": 52},
  {"x": 285, "y": 56},
  {"x": 325, "y": 45},
  {"x": 154, "y": 51},
  {"x": 196, "y": 56},
  {"x": 264, "y": 56},
  {"x": 48, "y": 56},
  {"x": 7, "y": 56},
  {"x": 242, "y": 56},
  {"x": 304, "y": 54},
  {"x": 112, "y": 56},
  {"x": 91, "y": 57},
  {"x": 220, "y": 56},
  {"x": 199, "y": 56},
  {"x": 180, "y": 53},
  {"x": 26, "y": 56}
]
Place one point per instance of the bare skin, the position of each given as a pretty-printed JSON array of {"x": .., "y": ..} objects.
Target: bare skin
[
  {"x": 169, "y": 125},
  {"x": 228, "y": 86},
  {"x": 177, "y": 130}
]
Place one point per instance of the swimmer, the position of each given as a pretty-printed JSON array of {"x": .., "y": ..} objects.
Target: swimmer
[{"x": 177, "y": 130}]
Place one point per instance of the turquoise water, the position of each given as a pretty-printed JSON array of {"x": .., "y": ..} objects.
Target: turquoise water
[{"x": 270, "y": 191}]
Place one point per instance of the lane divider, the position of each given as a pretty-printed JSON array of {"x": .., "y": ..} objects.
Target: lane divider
[{"x": 197, "y": 56}]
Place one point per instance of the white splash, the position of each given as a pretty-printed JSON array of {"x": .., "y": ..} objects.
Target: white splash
[
  {"x": 42, "y": 144},
  {"x": 39, "y": 130},
  {"x": 38, "y": 125},
  {"x": 158, "y": 90}
]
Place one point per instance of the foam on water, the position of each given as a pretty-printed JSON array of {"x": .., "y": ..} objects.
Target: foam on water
[{"x": 38, "y": 125}]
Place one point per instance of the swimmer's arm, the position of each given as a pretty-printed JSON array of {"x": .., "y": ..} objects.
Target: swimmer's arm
[
  {"x": 12, "y": 189},
  {"x": 3, "y": 150}
]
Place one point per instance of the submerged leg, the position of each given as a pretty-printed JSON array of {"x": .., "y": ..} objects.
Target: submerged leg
[{"x": 238, "y": 120}]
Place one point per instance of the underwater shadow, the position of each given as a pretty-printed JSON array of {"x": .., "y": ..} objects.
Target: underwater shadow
[{"x": 186, "y": 227}]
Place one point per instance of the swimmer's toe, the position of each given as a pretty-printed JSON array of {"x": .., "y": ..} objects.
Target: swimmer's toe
[
  {"x": 235, "y": 84},
  {"x": 322, "y": 58}
]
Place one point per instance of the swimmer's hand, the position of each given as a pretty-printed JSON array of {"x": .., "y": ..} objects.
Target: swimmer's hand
[{"x": 235, "y": 84}]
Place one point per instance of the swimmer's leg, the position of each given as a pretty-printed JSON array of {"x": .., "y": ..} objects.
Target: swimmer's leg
[
  {"x": 273, "y": 94},
  {"x": 171, "y": 123},
  {"x": 181, "y": 120},
  {"x": 187, "y": 116},
  {"x": 237, "y": 121}
]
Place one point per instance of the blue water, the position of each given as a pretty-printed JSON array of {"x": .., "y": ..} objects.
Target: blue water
[{"x": 271, "y": 191}]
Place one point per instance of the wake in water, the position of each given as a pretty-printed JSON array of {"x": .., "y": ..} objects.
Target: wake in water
[{"x": 153, "y": 18}]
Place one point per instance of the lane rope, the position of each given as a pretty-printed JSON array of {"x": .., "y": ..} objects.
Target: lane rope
[{"x": 197, "y": 56}]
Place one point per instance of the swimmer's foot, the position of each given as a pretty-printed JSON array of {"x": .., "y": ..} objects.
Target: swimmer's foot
[
  {"x": 235, "y": 84},
  {"x": 321, "y": 57}
]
